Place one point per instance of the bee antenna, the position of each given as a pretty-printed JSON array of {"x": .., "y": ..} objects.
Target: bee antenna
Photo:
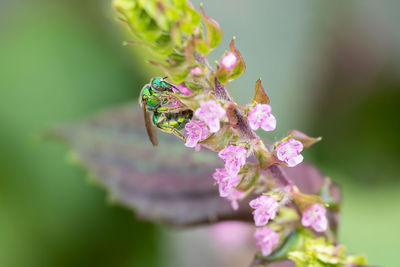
[{"x": 165, "y": 77}]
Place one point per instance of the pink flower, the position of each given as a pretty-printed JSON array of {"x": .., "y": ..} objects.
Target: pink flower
[
  {"x": 266, "y": 239},
  {"x": 234, "y": 197},
  {"x": 229, "y": 60},
  {"x": 315, "y": 217},
  {"x": 210, "y": 112},
  {"x": 173, "y": 102},
  {"x": 183, "y": 89},
  {"x": 196, "y": 71},
  {"x": 289, "y": 152},
  {"x": 226, "y": 181},
  {"x": 195, "y": 131},
  {"x": 265, "y": 209},
  {"x": 234, "y": 158},
  {"x": 260, "y": 116}
]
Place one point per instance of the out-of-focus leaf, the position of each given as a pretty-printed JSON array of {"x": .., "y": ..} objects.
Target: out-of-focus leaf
[
  {"x": 214, "y": 33},
  {"x": 170, "y": 183},
  {"x": 176, "y": 74},
  {"x": 289, "y": 244}
]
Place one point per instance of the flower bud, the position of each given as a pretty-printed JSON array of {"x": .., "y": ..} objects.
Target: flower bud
[
  {"x": 196, "y": 71},
  {"x": 229, "y": 61}
]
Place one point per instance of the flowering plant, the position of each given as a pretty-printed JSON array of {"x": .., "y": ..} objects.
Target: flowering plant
[
  {"x": 290, "y": 224},
  {"x": 265, "y": 183}
]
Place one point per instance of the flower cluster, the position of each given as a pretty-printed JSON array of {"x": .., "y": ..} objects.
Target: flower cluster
[
  {"x": 228, "y": 178},
  {"x": 208, "y": 120},
  {"x": 182, "y": 38}
]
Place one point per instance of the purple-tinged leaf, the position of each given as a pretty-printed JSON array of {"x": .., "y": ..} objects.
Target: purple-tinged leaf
[
  {"x": 306, "y": 140},
  {"x": 240, "y": 65},
  {"x": 230, "y": 113},
  {"x": 260, "y": 96},
  {"x": 170, "y": 184}
]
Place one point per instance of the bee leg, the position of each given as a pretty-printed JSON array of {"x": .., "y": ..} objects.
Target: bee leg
[
  {"x": 169, "y": 109},
  {"x": 173, "y": 131},
  {"x": 179, "y": 134}
]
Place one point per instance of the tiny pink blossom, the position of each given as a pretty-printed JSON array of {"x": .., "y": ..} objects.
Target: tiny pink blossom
[
  {"x": 195, "y": 131},
  {"x": 260, "y": 116},
  {"x": 265, "y": 209},
  {"x": 183, "y": 89},
  {"x": 226, "y": 181},
  {"x": 229, "y": 60},
  {"x": 266, "y": 239},
  {"x": 173, "y": 102},
  {"x": 315, "y": 217},
  {"x": 289, "y": 152},
  {"x": 210, "y": 112},
  {"x": 196, "y": 71},
  {"x": 234, "y": 196},
  {"x": 234, "y": 157}
]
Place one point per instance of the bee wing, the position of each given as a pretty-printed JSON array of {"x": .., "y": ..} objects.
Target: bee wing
[{"x": 151, "y": 131}]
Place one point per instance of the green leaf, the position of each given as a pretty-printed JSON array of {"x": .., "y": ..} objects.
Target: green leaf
[
  {"x": 222, "y": 74},
  {"x": 170, "y": 183},
  {"x": 290, "y": 243},
  {"x": 214, "y": 33},
  {"x": 219, "y": 140},
  {"x": 240, "y": 65},
  {"x": 176, "y": 74}
]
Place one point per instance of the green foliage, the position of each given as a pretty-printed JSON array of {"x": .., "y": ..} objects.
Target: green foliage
[
  {"x": 172, "y": 30},
  {"x": 57, "y": 68},
  {"x": 317, "y": 252}
]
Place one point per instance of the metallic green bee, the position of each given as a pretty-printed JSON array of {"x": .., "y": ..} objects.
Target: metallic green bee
[{"x": 155, "y": 98}]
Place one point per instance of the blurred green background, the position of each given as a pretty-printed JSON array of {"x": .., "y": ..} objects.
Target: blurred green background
[{"x": 330, "y": 68}]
